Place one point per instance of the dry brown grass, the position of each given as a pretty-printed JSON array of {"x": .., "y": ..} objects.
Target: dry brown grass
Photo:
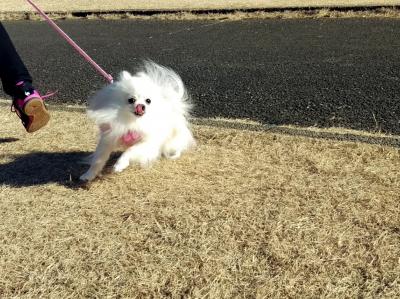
[
  {"x": 228, "y": 16},
  {"x": 246, "y": 215},
  {"x": 106, "y": 5}
]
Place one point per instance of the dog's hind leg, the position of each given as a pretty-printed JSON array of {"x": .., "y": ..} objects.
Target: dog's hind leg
[{"x": 181, "y": 140}]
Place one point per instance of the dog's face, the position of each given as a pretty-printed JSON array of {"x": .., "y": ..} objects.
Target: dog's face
[
  {"x": 138, "y": 106},
  {"x": 139, "y": 96}
]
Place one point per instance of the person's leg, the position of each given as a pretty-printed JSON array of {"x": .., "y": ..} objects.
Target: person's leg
[
  {"x": 12, "y": 68},
  {"x": 17, "y": 82}
]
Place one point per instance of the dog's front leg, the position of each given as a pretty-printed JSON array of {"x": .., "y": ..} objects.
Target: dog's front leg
[
  {"x": 143, "y": 154},
  {"x": 122, "y": 163},
  {"x": 99, "y": 159}
]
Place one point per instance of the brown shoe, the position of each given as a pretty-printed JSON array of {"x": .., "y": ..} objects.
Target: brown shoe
[{"x": 31, "y": 111}]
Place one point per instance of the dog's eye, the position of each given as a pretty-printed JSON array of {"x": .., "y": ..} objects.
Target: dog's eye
[
  {"x": 131, "y": 100},
  {"x": 148, "y": 101}
]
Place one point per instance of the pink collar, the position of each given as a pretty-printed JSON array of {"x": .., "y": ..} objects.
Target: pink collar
[{"x": 130, "y": 138}]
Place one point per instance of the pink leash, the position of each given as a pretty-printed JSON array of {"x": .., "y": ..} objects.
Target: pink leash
[{"x": 107, "y": 76}]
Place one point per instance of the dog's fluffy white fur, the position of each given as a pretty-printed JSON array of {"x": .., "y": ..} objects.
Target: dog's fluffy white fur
[{"x": 153, "y": 104}]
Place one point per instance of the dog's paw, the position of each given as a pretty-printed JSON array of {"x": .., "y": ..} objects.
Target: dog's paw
[
  {"x": 146, "y": 163},
  {"x": 120, "y": 165},
  {"x": 88, "y": 176},
  {"x": 173, "y": 155}
]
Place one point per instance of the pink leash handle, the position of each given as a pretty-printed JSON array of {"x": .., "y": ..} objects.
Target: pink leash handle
[{"x": 107, "y": 76}]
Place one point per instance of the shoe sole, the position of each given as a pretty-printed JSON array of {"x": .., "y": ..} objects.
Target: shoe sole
[{"x": 38, "y": 114}]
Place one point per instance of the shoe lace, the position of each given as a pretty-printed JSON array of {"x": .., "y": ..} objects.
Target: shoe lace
[{"x": 49, "y": 94}]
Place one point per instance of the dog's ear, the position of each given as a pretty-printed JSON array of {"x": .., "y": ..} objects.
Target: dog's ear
[{"x": 124, "y": 75}]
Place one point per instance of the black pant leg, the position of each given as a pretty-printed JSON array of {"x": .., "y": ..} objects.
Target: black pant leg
[{"x": 12, "y": 68}]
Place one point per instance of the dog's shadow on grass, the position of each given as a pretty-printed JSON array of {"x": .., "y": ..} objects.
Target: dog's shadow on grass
[{"x": 41, "y": 168}]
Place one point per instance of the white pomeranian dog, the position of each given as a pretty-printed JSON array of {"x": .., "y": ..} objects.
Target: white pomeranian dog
[{"x": 145, "y": 113}]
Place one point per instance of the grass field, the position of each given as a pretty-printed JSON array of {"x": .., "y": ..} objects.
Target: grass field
[
  {"x": 102, "y": 5},
  {"x": 191, "y": 10},
  {"x": 319, "y": 13},
  {"x": 248, "y": 214}
]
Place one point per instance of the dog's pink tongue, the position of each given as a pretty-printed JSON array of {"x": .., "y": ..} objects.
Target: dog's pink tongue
[
  {"x": 130, "y": 138},
  {"x": 139, "y": 109}
]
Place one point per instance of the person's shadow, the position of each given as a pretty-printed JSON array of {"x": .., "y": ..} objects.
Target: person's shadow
[{"x": 41, "y": 168}]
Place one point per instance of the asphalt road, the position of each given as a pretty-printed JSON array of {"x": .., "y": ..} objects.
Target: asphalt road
[{"x": 332, "y": 72}]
